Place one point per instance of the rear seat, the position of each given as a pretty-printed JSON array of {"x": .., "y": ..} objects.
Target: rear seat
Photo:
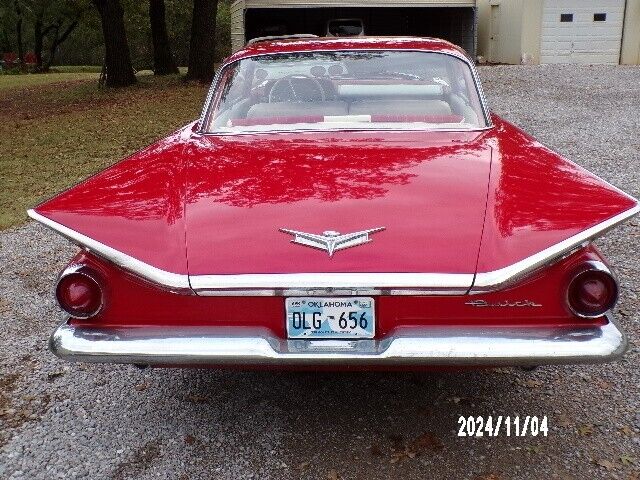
[
  {"x": 298, "y": 109},
  {"x": 400, "y": 107}
]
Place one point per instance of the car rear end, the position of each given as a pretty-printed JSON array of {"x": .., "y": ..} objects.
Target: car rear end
[{"x": 558, "y": 315}]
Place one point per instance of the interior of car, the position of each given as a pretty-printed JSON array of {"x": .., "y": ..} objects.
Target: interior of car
[{"x": 321, "y": 93}]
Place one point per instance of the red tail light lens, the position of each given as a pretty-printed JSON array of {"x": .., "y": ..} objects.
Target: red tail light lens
[
  {"x": 78, "y": 293},
  {"x": 593, "y": 291}
]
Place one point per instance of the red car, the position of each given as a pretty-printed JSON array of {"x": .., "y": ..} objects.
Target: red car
[{"x": 340, "y": 203}]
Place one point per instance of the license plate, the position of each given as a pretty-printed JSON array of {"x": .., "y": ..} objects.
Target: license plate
[{"x": 337, "y": 317}]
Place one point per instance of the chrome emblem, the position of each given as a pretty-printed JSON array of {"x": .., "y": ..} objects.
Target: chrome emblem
[
  {"x": 505, "y": 303},
  {"x": 331, "y": 241}
]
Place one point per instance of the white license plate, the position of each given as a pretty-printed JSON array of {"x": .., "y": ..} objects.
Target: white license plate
[{"x": 330, "y": 317}]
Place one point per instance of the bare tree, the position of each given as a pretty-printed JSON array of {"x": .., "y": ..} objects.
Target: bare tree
[
  {"x": 163, "y": 62},
  {"x": 202, "y": 45},
  {"x": 119, "y": 69}
]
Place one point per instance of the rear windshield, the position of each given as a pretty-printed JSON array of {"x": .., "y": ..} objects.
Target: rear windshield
[{"x": 346, "y": 90}]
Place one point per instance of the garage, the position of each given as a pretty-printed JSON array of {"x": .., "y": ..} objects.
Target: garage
[
  {"x": 559, "y": 31},
  {"x": 451, "y": 20},
  {"x": 575, "y": 31}
]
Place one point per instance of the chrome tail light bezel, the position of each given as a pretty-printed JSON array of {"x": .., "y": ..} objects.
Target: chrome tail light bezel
[
  {"x": 88, "y": 273},
  {"x": 586, "y": 267}
]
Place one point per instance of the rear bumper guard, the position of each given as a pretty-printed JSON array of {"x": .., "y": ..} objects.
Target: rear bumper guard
[{"x": 437, "y": 346}]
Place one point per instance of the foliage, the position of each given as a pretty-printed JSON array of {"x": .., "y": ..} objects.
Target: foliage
[
  {"x": 44, "y": 24},
  {"x": 85, "y": 45},
  {"x": 55, "y": 134}
]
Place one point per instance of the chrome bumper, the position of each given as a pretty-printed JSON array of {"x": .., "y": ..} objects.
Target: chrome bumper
[{"x": 441, "y": 346}]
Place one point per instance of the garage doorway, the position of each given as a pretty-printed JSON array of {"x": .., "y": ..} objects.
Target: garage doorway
[
  {"x": 455, "y": 24},
  {"x": 577, "y": 31}
]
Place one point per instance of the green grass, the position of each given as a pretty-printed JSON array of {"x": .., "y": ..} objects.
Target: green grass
[
  {"x": 25, "y": 80},
  {"x": 55, "y": 133},
  {"x": 77, "y": 69}
]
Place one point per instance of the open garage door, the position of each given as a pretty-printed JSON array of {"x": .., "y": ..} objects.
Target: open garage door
[
  {"x": 578, "y": 31},
  {"x": 456, "y": 24}
]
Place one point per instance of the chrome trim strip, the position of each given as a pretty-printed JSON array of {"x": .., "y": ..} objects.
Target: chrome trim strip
[
  {"x": 146, "y": 271},
  {"x": 214, "y": 84},
  {"x": 329, "y": 283},
  {"x": 303, "y": 283},
  {"x": 498, "y": 279},
  {"x": 456, "y": 346}
]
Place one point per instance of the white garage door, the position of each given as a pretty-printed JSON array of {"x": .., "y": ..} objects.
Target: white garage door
[{"x": 581, "y": 31}]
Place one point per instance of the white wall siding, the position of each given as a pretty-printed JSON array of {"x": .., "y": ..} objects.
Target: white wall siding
[{"x": 237, "y": 25}]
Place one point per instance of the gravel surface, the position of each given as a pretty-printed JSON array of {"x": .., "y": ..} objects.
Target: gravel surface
[{"x": 61, "y": 420}]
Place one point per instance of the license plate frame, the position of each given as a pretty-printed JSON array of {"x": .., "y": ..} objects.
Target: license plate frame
[{"x": 309, "y": 318}]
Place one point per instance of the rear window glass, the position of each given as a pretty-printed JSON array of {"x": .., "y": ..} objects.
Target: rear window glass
[{"x": 346, "y": 90}]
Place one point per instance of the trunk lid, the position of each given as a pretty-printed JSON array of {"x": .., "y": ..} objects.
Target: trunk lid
[{"x": 428, "y": 191}]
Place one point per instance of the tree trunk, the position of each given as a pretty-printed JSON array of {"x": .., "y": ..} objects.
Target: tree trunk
[
  {"x": 18, "y": 9},
  {"x": 163, "y": 62},
  {"x": 38, "y": 40},
  {"x": 117, "y": 56},
  {"x": 203, "y": 42},
  {"x": 55, "y": 43}
]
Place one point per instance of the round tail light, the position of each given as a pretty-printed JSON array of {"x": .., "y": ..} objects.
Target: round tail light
[
  {"x": 79, "y": 293},
  {"x": 593, "y": 291}
]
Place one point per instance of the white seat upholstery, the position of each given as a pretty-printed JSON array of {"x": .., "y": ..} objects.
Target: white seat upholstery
[
  {"x": 297, "y": 109},
  {"x": 400, "y": 107}
]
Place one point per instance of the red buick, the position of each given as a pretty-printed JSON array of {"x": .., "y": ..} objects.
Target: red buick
[{"x": 341, "y": 203}]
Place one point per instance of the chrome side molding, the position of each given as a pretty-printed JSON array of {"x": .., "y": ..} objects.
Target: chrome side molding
[
  {"x": 172, "y": 281},
  {"x": 499, "y": 279},
  {"x": 317, "y": 284}
]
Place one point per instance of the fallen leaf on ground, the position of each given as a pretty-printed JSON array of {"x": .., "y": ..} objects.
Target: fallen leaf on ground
[
  {"x": 54, "y": 375},
  {"x": 627, "y": 460},
  {"x": 603, "y": 384},
  {"x": 608, "y": 464},
  {"x": 189, "y": 439},
  {"x": 533, "y": 383},
  {"x": 333, "y": 475},
  {"x": 488, "y": 476},
  {"x": 563, "y": 421},
  {"x": 303, "y": 466},
  {"x": 626, "y": 430},
  {"x": 427, "y": 441},
  {"x": 196, "y": 398},
  {"x": 585, "y": 430},
  {"x": 375, "y": 450},
  {"x": 141, "y": 387}
]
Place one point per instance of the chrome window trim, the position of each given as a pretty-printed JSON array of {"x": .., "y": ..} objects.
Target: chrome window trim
[
  {"x": 324, "y": 283},
  {"x": 214, "y": 85}
]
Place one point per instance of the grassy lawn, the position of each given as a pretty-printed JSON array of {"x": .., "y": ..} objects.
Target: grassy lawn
[
  {"x": 12, "y": 82},
  {"x": 59, "y": 128}
]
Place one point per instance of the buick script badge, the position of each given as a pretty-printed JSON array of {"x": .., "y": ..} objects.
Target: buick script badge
[{"x": 331, "y": 241}]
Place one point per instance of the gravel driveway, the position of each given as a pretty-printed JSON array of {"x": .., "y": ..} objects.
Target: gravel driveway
[{"x": 60, "y": 420}]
